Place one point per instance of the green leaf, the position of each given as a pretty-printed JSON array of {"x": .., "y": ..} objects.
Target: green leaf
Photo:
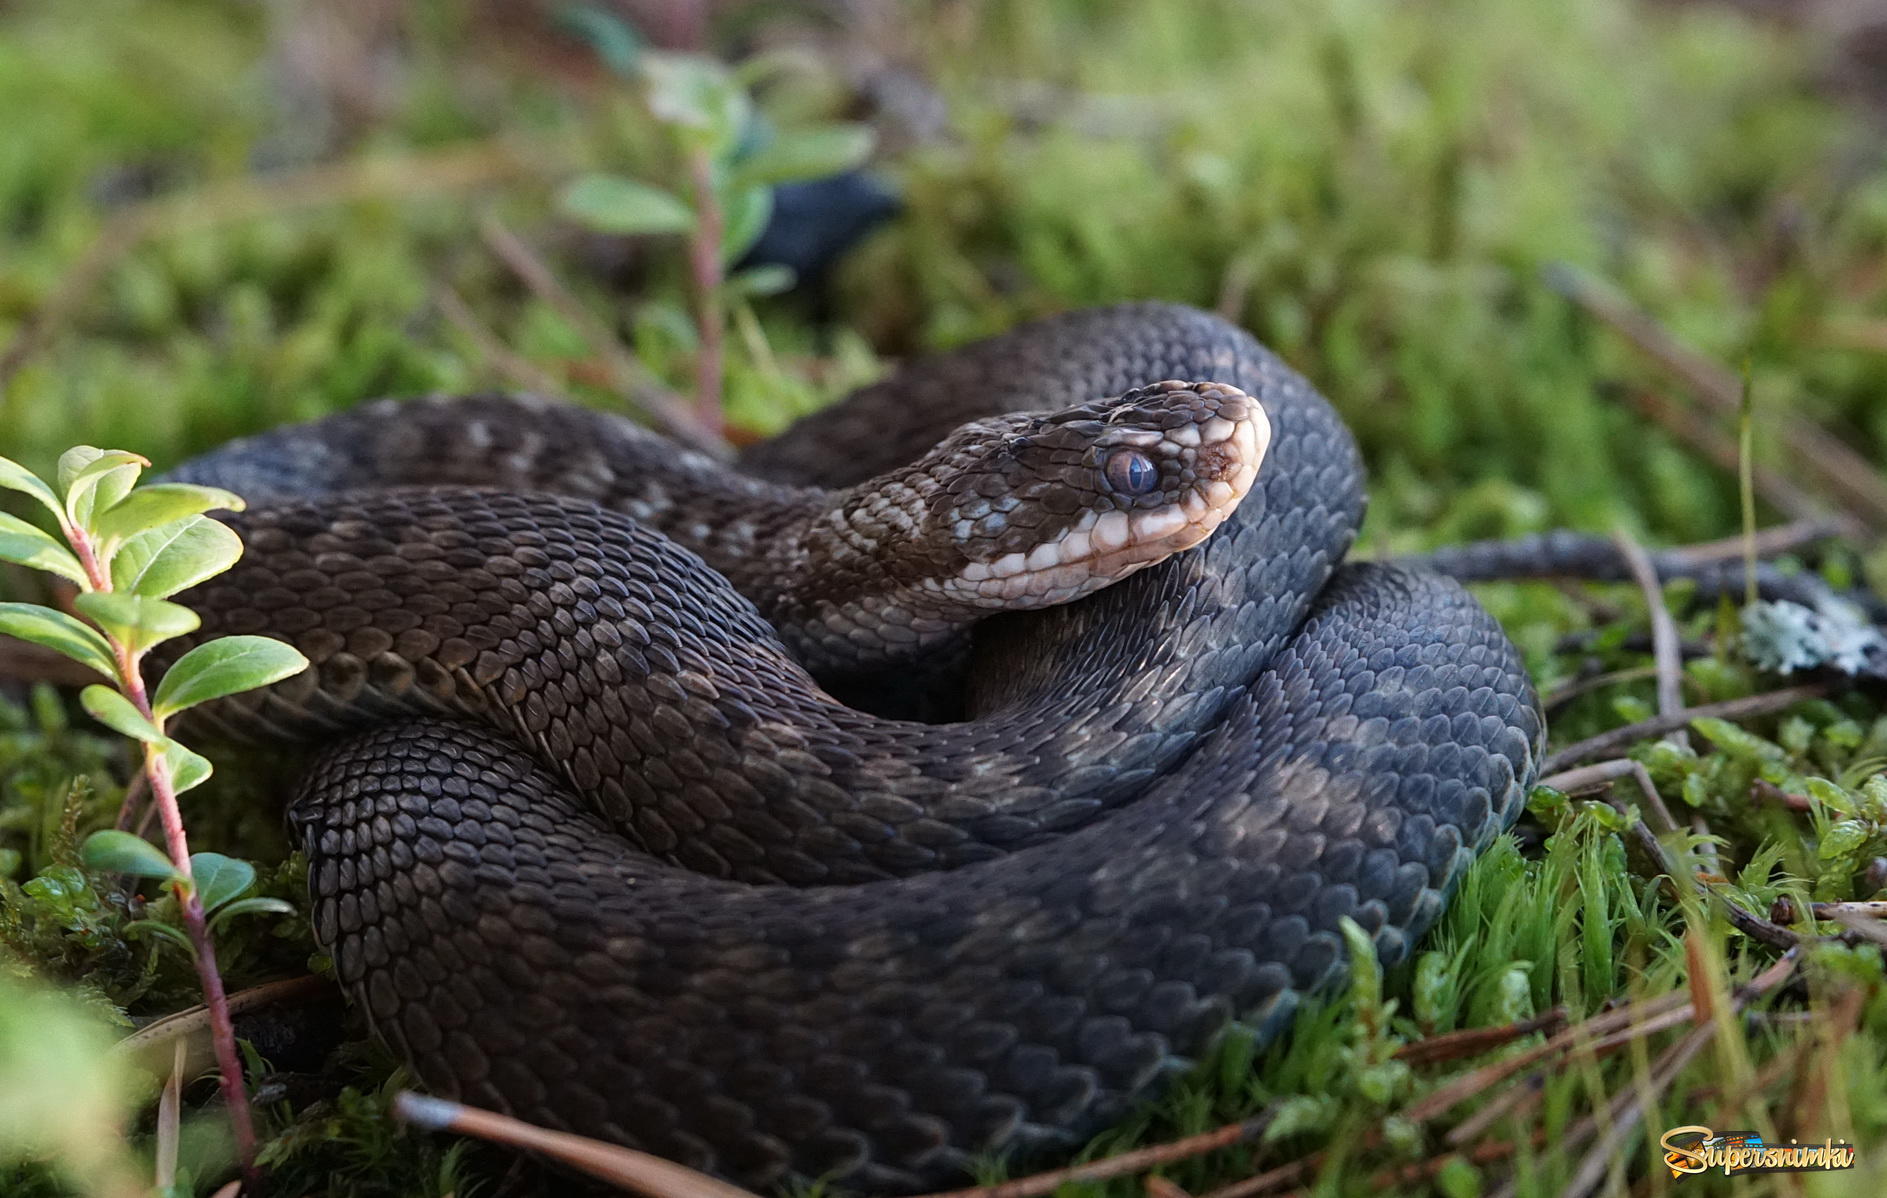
[
  {"x": 613, "y": 204},
  {"x": 59, "y": 632},
  {"x": 15, "y": 477},
  {"x": 137, "y": 621},
  {"x": 251, "y": 906},
  {"x": 748, "y": 210},
  {"x": 74, "y": 460},
  {"x": 220, "y": 879},
  {"x": 31, "y": 546},
  {"x": 1738, "y": 743},
  {"x": 140, "y": 927},
  {"x": 615, "y": 40},
  {"x": 225, "y": 666},
  {"x": 1831, "y": 796},
  {"x": 163, "y": 561},
  {"x": 188, "y": 770},
  {"x": 116, "y": 852},
  {"x": 148, "y": 508},
  {"x": 771, "y": 279},
  {"x": 698, "y": 97},
  {"x": 99, "y": 478},
  {"x": 811, "y": 153},
  {"x": 116, "y": 712}
]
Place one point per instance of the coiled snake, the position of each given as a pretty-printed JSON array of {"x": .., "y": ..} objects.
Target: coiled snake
[{"x": 589, "y": 846}]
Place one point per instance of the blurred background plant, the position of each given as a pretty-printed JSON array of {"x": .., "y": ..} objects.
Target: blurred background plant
[{"x": 1512, "y": 241}]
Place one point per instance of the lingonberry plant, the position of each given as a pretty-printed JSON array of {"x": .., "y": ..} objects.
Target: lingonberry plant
[
  {"x": 127, "y": 549},
  {"x": 725, "y": 159}
]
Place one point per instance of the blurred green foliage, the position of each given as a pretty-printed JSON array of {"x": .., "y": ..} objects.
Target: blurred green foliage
[{"x": 1376, "y": 189}]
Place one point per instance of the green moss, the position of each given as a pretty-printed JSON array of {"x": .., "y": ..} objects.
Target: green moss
[{"x": 1377, "y": 190}]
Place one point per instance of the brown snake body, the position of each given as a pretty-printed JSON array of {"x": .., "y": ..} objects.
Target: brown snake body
[{"x": 606, "y": 856}]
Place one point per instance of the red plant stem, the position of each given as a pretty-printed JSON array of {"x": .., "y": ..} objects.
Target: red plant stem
[
  {"x": 196, "y": 924},
  {"x": 704, "y": 261}
]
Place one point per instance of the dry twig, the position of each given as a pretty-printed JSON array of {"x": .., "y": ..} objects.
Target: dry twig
[
  {"x": 515, "y": 368},
  {"x": 1852, "y": 476},
  {"x": 624, "y": 1168},
  {"x": 1627, "y": 1110},
  {"x": 1747, "y": 707},
  {"x": 1565, "y": 693},
  {"x": 1664, "y": 639},
  {"x": 1473, "y": 1041},
  {"x": 1121, "y": 1163},
  {"x": 1604, "y": 773},
  {"x": 632, "y": 381}
]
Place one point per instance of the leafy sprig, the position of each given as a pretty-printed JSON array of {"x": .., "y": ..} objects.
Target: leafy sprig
[
  {"x": 128, "y": 550},
  {"x": 727, "y": 159}
]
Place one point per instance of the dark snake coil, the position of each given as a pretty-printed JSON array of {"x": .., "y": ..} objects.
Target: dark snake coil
[{"x": 605, "y": 858}]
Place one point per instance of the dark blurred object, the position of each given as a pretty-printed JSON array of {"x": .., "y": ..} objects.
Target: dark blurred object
[
  {"x": 816, "y": 221},
  {"x": 814, "y": 224},
  {"x": 1850, "y": 37}
]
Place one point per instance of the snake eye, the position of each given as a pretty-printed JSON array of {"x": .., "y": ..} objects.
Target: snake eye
[{"x": 1131, "y": 472}]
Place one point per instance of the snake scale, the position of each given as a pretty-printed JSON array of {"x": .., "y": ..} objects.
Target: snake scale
[{"x": 589, "y": 845}]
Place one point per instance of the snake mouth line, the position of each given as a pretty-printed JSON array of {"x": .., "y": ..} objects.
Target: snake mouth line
[{"x": 1217, "y": 457}]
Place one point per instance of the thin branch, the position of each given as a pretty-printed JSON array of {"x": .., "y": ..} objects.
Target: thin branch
[
  {"x": 1619, "y": 739},
  {"x": 169, "y": 1122},
  {"x": 135, "y": 792},
  {"x": 1159, "y": 1187},
  {"x": 1769, "y": 792},
  {"x": 1121, "y": 1163},
  {"x": 1604, "y": 773},
  {"x": 181, "y": 1026},
  {"x": 1579, "y": 1037},
  {"x": 1664, "y": 639},
  {"x": 1577, "y": 688},
  {"x": 624, "y": 1168},
  {"x": 1474, "y": 1041},
  {"x": 1848, "y": 473},
  {"x": 1865, "y": 925},
  {"x": 1400, "y": 1179},
  {"x": 519, "y": 370},
  {"x": 189, "y": 902},
  {"x": 704, "y": 265},
  {"x": 1523, "y": 1096},
  {"x": 1770, "y": 542},
  {"x": 1786, "y": 911},
  {"x": 1837, "y": 1027},
  {"x": 1286, "y": 1174},
  {"x": 631, "y": 379},
  {"x": 1628, "y": 1109}
]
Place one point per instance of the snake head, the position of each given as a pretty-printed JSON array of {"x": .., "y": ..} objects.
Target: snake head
[{"x": 1040, "y": 509}]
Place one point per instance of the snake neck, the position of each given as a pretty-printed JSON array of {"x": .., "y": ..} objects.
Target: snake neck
[
  {"x": 859, "y": 604},
  {"x": 837, "y": 572},
  {"x": 842, "y": 574}
]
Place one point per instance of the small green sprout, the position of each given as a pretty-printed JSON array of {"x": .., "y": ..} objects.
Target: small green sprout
[{"x": 727, "y": 158}]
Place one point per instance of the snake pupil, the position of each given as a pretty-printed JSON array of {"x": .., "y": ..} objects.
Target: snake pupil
[{"x": 1131, "y": 472}]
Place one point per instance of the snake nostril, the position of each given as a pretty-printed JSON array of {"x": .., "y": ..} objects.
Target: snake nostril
[{"x": 1215, "y": 461}]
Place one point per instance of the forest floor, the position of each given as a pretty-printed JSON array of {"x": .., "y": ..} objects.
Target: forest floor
[{"x": 1535, "y": 253}]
